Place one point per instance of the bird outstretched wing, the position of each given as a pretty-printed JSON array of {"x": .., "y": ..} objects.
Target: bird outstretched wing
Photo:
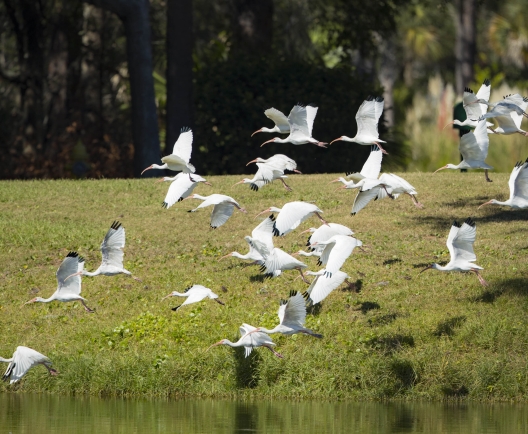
[
  {"x": 367, "y": 117},
  {"x": 463, "y": 241},
  {"x": 183, "y": 146},
  {"x": 519, "y": 101},
  {"x": 24, "y": 359},
  {"x": 293, "y": 310},
  {"x": 113, "y": 245},
  {"x": 335, "y": 254},
  {"x": 278, "y": 118},
  {"x": 474, "y": 145},
  {"x": 473, "y": 110},
  {"x": 484, "y": 93},
  {"x": 363, "y": 198},
  {"x": 221, "y": 213},
  {"x": 264, "y": 232},
  {"x": 73, "y": 263},
  {"x": 372, "y": 167},
  {"x": 179, "y": 189},
  {"x": 322, "y": 286},
  {"x": 298, "y": 120},
  {"x": 518, "y": 182}
]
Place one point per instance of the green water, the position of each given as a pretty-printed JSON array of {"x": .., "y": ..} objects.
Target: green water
[{"x": 38, "y": 414}]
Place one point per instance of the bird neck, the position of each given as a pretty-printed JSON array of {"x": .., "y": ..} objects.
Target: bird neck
[
  {"x": 47, "y": 300},
  {"x": 275, "y": 209},
  {"x": 275, "y": 129},
  {"x": 265, "y": 330},
  {"x": 91, "y": 274},
  {"x": 6, "y": 360},
  {"x": 197, "y": 196},
  {"x": 438, "y": 267},
  {"x": 348, "y": 139}
]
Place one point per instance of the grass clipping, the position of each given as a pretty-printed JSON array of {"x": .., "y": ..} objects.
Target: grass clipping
[{"x": 399, "y": 334}]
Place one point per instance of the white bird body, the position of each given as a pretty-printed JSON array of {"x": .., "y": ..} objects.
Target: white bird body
[
  {"x": 292, "y": 316},
  {"x": 69, "y": 282},
  {"x": 396, "y": 185},
  {"x": 518, "y": 184},
  {"x": 23, "y": 360},
  {"x": 508, "y": 120},
  {"x": 337, "y": 250},
  {"x": 323, "y": 284},
  {"x": 263, "y": 234},
  {"x": 250, "y": 338},
  {"x": 300, "y": 120},
  {"x": 367, "y": 119},
  {"x": 279, "y": 119},
  {"x": 182, "y": 185},
  {"x": 278, "y": 161},
  {"x": 474, "y": 110},
  {"x": 112, "y": 253},
  {"x": 474, "y": 150},
  {"x": 324, "y": 233},
  {"x": 194, "y": 294},
  {"x": 460, "y": 244},
  {"x": 181, "y": 155},
  {"x": 223, "y": 207},
  {"x": 266, "y": 174},
  {"x": 291, "y": 215}
]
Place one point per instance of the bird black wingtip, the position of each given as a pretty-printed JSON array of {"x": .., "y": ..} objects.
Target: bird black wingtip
[
  {"x": 379, "y": 99},
  {"x": 487, "y": 82},
  {"x": 72, "y": 254},
  {"x": 369, "y": 98},
  {"x": 272, "y": 217},
  {"x": 469, "y": 221},
  {"x": 468, "y": 90},
  {"x": 175, "y": 308},
  {"x": 185, "y": 129},
  {"x": 253, "y": 187},
  {"x": 115, "y": 225},
  {"x": 293, "y": 292},
  {"x": 456, "y": 224}
]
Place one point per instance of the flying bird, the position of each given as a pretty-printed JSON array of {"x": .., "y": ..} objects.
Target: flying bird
[
  {"x": 265, "y": 175},
  {"x": 291, "y": 215},
  {"x": 460, "y": 244},
  {"x": 292, "y": 316},
  {"x": 263, "y": 233},
  {"x": 474, "y": 110},
  {"x": 69, "y": 282},
  {"x": 112, "y": 253},
  {"x": 396, "y": 185},
  {"x": 249, "y": 341},
  {"x": 518, "y": 184},
  {"x": 323, "y": 284},
  {"x": 181, "y": 154},
  {"x": 281, "y": 122},
  {"x": 367, "y": 119},
  {"x": 278, "y": 161},
  {"x": 323, "y": 233},
  {"x": 182, "y": 185},
  {"x": 194, "y": 294},
  {"x": 337, "y": 250},
  {"x": 300, "y": 119},
  {"x": 23, "y": 360},
  {"x": 222, "y": 210},
  {"x": 474, "y": 150},
  {"x": 508, "y": 120}
]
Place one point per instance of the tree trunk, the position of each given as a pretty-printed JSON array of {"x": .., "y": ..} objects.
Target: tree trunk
[
  {"x": 387, "y": 74},
  {"x": 145, "y": 134},
  {"x": 465, "y": 45},
  {"x": 179, "y": 69}
]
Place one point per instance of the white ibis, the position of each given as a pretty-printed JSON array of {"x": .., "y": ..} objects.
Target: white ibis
[
  {"x": 265, "y": 175},
  {"x": 291, "y": 215},
  {"x": 323, "y": 233},
  {"x": 69, "y": 281},
  {"x": 474, "y": 110},
  {"x": 181, "y": 154},
  {"x": 337, "y": 250},
  {"x": 474, "y": 150},
  {"x": 250, "y": 340},
  {"x": 194, "y": 294},
  {"x": 279, "y": 119},
  {"x": 263, "y": 233},
  {"x": 23, "y": 360},
  {"x": 508, "y": 120},
  {"x": 301, "y": 119},
  {"x": 112, "y": 253},
  {"x": 396, "y": 186},
  {"x": 223, "y": 207},
  {"x": 292, "y": 316},
  {"x": 182, "y": 185},
  {"x": 370, "y": 170},
  {"x": 518, "y": 184},
  {"x": 367, "y": 118},
  {"x": 460, "y": 244},
  {"x": 323, "y": 284},
  {"x": 278, "y": 161},
  {"x": 275, "y": 260},
  {"x": 514, "y": 103}
]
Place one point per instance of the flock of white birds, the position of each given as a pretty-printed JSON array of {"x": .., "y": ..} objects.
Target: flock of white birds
[{"x": 332, "y": 243}]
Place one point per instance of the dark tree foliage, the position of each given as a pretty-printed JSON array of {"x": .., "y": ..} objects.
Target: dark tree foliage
[{"x": 230, "y": 105}]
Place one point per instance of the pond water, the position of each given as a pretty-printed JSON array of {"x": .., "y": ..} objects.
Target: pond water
[{"x": 42, "y": 414}]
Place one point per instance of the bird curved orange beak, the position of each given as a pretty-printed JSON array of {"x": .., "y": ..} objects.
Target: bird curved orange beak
[
  {"x": 265, "y": 211},
  {"x": 167, "y": 296},
  {"x": 150, "y": 167},
  {"x": 450, "y": 123},
  {"x": 252, "y": 161},
  {"x": 487, "y": 203},
  {"x": 33, "y": 300},
  {"x": 223, "y": 257},
  {"x": 207, "y": 183},
  {"x": 429, "y": 267},
  {"x": 307, "y": 230},
  {"x": 258, "y": 131},
  {"x": 341, "y": 188},
  {"x": 335, "y": 180},
  {"x": 441, "y": 168},
  {"x": 239, "y": 182},
  {"x": 214, "y": 345},
  {"x": 269, "y": 141},
  {"x": 339, "y": 138},
  {"x": 159, "y": 180}
]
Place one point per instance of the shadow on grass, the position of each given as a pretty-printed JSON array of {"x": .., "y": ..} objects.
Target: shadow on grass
[
  {"x": 392, "y": 261},
  {"x": 380, "y": 320},
  {"x": 448, "y": 326},
  {"x": 247, "y": 372},
  {"x": 258, "y": 278},
  {"x": 354, "y": 287},
  {"x": 314, "y": 309},
  {"x": 391, "y": 344},
  {"x": 403, "y": 370},
  {"x": 366, "y": 306},
  {"x": 515, "y": 286}
]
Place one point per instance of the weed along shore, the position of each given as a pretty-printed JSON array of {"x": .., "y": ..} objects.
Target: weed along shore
[{"x": 393, "y": 333}]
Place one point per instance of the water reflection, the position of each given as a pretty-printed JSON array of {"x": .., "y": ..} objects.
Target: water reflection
[{"x": 44, "y": 414}]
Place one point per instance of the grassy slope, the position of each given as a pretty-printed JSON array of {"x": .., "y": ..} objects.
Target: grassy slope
[{"x": 431, "y": 335}]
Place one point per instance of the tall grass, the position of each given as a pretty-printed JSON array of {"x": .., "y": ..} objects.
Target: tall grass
[
  {"x": 433, "y": 146},
  {"x": 403, "y": 335}
]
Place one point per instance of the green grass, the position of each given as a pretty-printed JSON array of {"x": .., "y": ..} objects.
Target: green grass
[{"x": 404, "y": 335}]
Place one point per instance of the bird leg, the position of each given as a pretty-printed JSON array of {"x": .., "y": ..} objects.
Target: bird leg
[
  {"x": 321, "y": 144},
  {"x": 279, "y": 355},
  {"x": 480, "y": 278},
  {"x": 219, "y": 302},
  {"x": 387, "y": 191},
  {"x": 383, "y": 151},
  {"x": 303, "y": 277},
  {"x": 297, "y": 171},
  {"x": 312, "y": 333},
  {"x": 52, "y": 372},
  {"x": 286, "y": 186},
  {"x": 136, "y": 278},
  {"x": 415, "y": 201},
  {"x": 486, "y": 175},
  {"x": 322, "y": 219},
  {"x": 87, "y": 308}
]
